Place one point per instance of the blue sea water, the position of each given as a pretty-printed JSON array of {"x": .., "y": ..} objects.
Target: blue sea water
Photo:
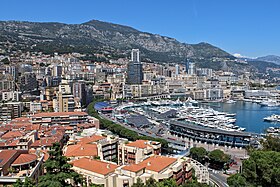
[{"x": 249, "y": 115}]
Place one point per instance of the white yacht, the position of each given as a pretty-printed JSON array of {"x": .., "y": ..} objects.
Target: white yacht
[
  {"x": 272, "y": 118},
  {"x": 230, "y": 101},
  {"x": 270, "y": 103}
]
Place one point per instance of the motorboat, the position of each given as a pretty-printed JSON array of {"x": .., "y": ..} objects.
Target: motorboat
[
  {"x": 272, "y": 118},
  {"x": 230, "y": 101},
  {"x": 270, "y": 103}
]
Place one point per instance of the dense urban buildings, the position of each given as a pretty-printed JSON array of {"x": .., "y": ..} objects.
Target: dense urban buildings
[{"x": 44, "y": 99}]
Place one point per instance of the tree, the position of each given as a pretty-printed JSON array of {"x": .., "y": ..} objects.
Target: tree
[
  {"x": 271, "y": 144},
  {"x": 198, "y": 153},
  {"x": 151, "y": 182},
  {"x": 237, "y": 180},
  {"x": 59, "y": 172},
  {"x": 261, "y": 169},
  {"x": 218, "y": 159},
  {"x": 27, "y": 183},
  {"x": 139, "y": 183}
]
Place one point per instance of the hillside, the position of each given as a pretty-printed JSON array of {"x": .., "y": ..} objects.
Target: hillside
[
  {"x": 93, "y": 35},
  {"x": 270, "y": 58},
  {"x": 108, "y": 38}
]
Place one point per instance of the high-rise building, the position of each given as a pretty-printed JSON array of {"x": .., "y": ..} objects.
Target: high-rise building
[
  {"x": 134, "y": 73},
  {"x": 57, "y": 71},
  {"x": 177, "y": 69},
  {"x": 28, "y": 82},
  {"x": 135, "y": 69},
  {"x": 191, "y": 70},
  {"x": 135, "y": 55},
  {"x": 79, "y": 91}
]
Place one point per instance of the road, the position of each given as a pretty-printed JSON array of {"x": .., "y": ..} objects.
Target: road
[
  {"x": 143, "y": 132},
  {"x": 218, "y": 178}
]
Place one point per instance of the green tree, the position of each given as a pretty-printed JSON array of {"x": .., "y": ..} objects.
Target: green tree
[
  {"x": 261, "y": 169},
  {"x": 27, "y": 183},
  {"x": 151, "y": 182},
  {"x": 237, "y": 180},
  {"x": 59, "y": 172},
  {"x": 218, "y": 159},
  {"x": 139, "y": 183},
  {"x": 271, "y": 144},
  {"x": 198, "y": 153}
]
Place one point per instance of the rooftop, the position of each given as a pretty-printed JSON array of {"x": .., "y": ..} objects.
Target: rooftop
[
  {"x": 56, "y": 114},
  {"x": 95, "y": 166},
  {"x": 24, "y": 159},
  {"x": 139, "y": 143},
  {"x": 5, "y": 156},
  {"x": 134, "y": 167},
  {"x": 91, "y": 139},
  {"x": 81, "y": 150},
  {"x": 157, "y": 163}
]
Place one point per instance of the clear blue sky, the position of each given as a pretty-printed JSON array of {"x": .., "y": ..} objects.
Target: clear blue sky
[{"x": 248, "y": 27}]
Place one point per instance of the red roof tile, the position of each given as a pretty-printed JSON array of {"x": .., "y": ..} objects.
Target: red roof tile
[
  {"x": 81, "y": 150},
  {"x": 95, "y": 166},
  {"x": 24, "y": 159}
]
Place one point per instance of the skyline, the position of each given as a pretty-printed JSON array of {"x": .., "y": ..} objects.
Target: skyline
[{"x": 248, "y": 27}]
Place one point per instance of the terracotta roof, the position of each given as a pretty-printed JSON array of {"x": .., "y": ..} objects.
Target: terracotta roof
[
  {"x": 134, "y": 167},
  {"x": 12, "y": 134},
  {"x": 157, "y": 163},
  {"x": 6, "y": 155},
  {"x": 81, "y": 150},
  {"x": 139, "y": 143},
  {"x": 95, "y": 166},
  {"x": 39, "y": 153},
  {"x": 91, "y": 139},
  {"x": 55, "y": 114},
  {"x": 45, "y": 142},
  {"x": 24, "y": 159}
]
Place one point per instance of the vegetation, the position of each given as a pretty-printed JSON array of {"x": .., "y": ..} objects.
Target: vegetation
[
  {"x": 198, "y": 153},
  {"x": 27, "y": 183},
  {"x": 271, "y": 144},
  {"x": 166, "y": 183},
  {"x": 217, "y": 158},
  {"x": 58, "y": 170},
  {"x": 120, "y": 130},
  {"x": 262, "y": 168}
]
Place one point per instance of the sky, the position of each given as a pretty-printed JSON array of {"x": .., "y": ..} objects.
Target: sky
[{"x": 249, "y": 28}]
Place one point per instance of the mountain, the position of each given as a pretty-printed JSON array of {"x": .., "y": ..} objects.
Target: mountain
[
  {"x": 94, "y": 35},
  {"x": 114, "y": 41},
  {"x": 270, "y": 58}
]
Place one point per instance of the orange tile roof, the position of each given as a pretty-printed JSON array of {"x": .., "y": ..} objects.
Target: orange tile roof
[
  {"x": 81, "y": 150},
  {"x": 12, "y": 134},
  {"x": 91, "y": 139},
  {"x": 95, "y": 166},
  {"x": 139, "y": 143},
  {"x": 45, "y": 142},
  {"x": 6, "y": 155},
  {"x": 24, "y": 159},
  {"x": 157, "y": 163},
  {"x": 55, "y": 114},
  {"x": 134, "y": 167}
]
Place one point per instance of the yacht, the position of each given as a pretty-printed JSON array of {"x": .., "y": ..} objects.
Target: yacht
[
  {"x": 270, "y": 103},
  {"x": 230, "y": 101},
  {"x": 272, "y": 118}
]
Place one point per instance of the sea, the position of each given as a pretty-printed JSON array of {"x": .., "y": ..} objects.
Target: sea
[{"x": 248, "y": 115}]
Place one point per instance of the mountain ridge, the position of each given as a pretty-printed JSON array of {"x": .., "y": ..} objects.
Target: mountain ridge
[{"x": 113, "y": 40}]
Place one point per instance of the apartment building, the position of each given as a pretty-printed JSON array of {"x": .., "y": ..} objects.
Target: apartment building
[
  {"x": 103, "y": 147},
  {"x": 134, "y": 152},
  {"x": 112, "y": 175},
  {"x": 63, "y": 118}
]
